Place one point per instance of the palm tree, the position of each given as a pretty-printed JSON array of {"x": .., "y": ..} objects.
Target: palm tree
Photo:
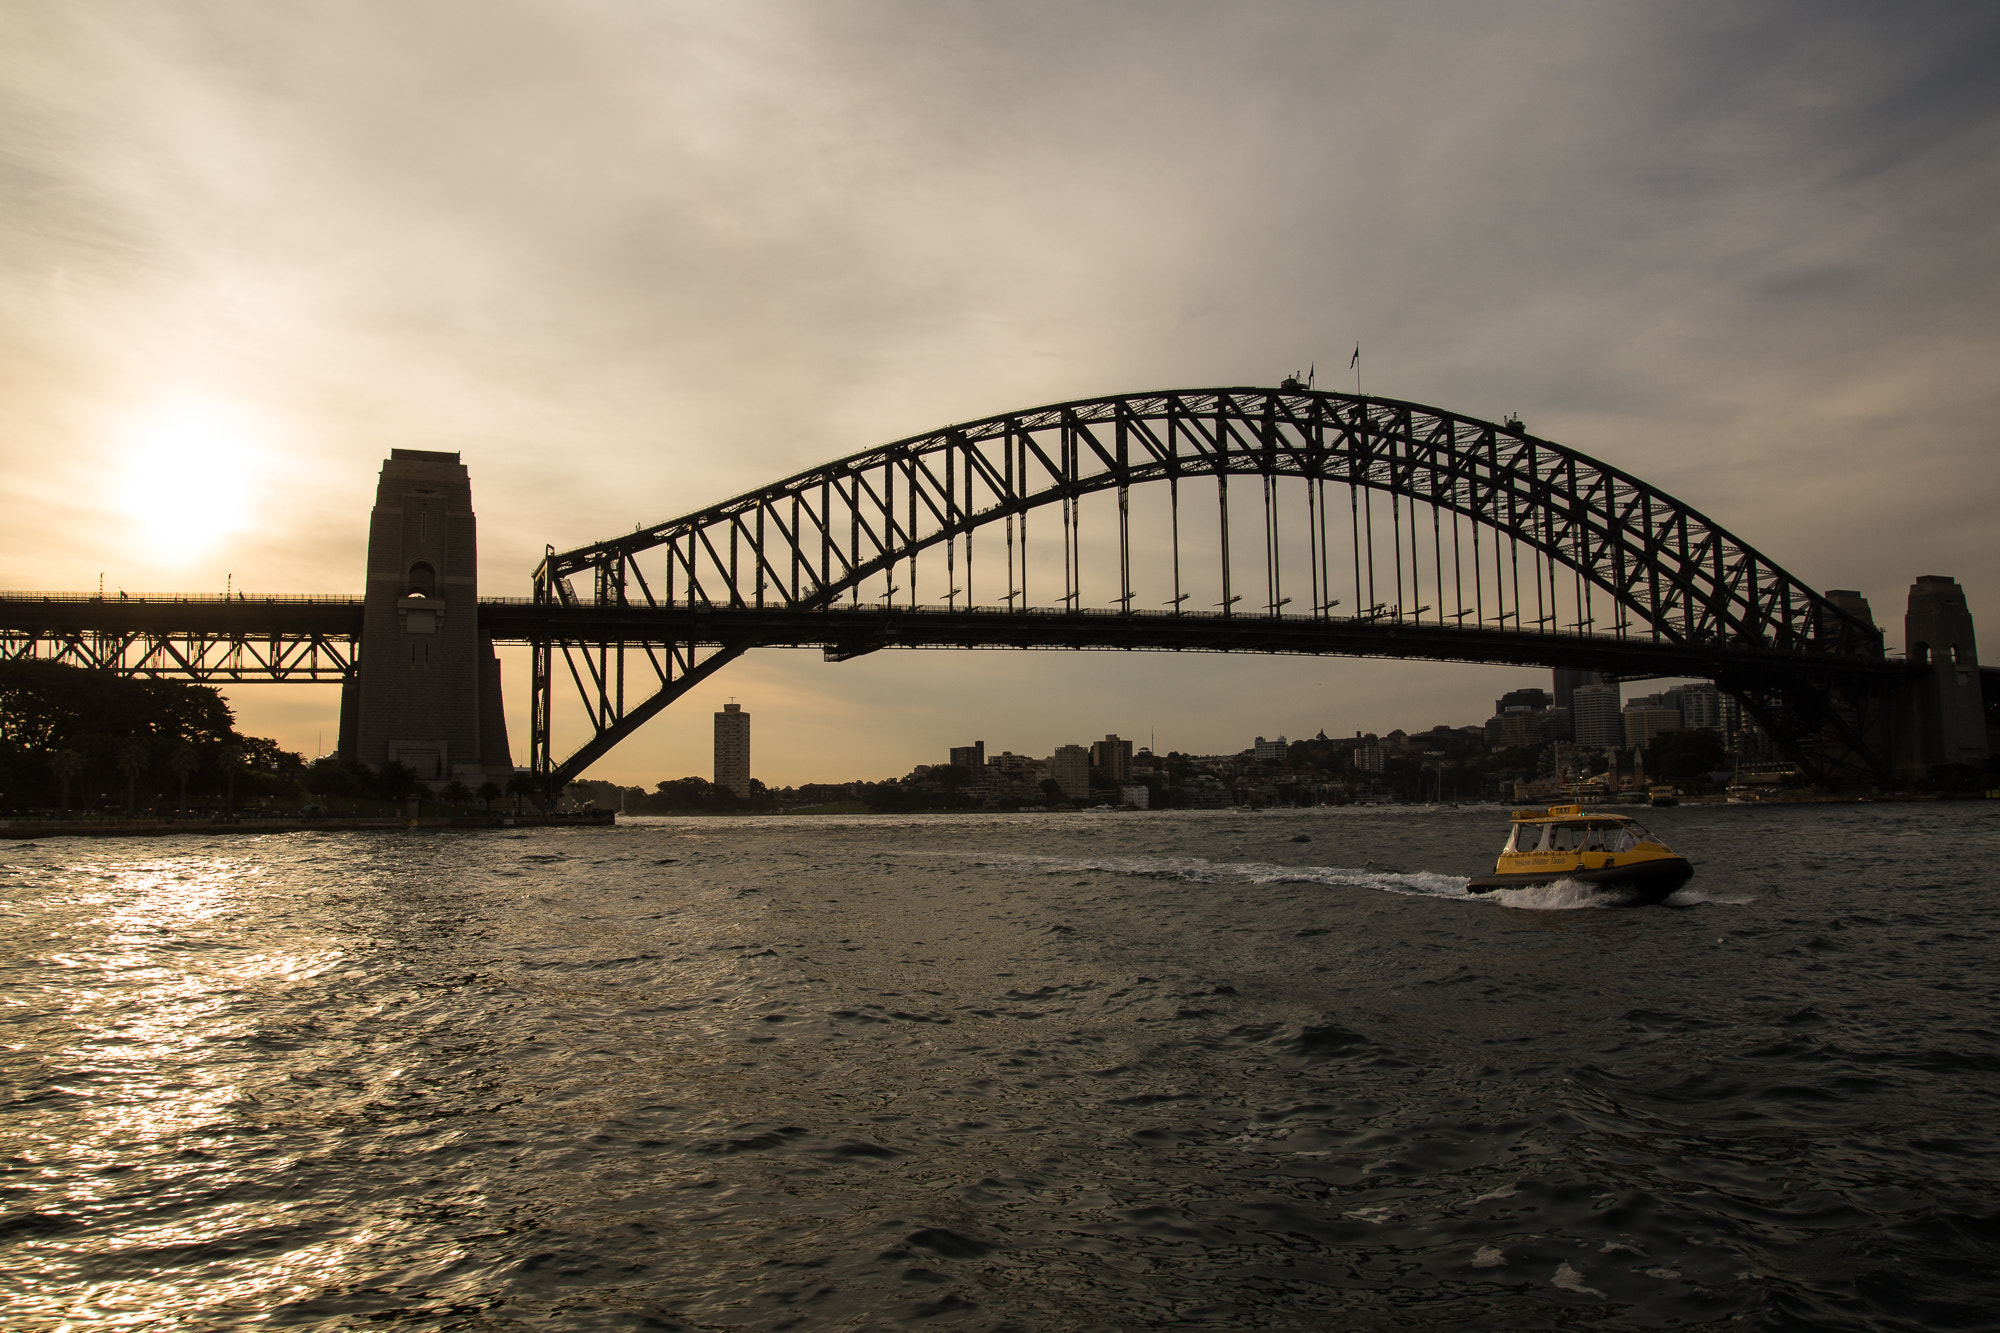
[
  {"x": 184, "y": 761},
  {"x": 231, "y": 758},
  {"x": 456, "y": 792},
  {"x": 132, "y": 762},
  {"x": 67, "y": 764},
  {"x": 489, "y": 792},
  {"x": 521, "y": 784}
]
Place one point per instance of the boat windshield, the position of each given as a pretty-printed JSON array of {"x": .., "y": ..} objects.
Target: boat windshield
[{"x": 1635, "y": 833}]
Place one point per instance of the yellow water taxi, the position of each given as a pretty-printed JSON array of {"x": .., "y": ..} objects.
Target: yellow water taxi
[{"x": 1611, "y": 852}]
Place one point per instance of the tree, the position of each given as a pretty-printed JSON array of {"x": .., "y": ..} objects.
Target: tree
[
  {"x": 328, "y": 777},
  {"x": 489, "y": 792},
  {"x": 1685, "y": 758},
  {"x": 457, "y": 793},
  {"x": 132, "y": 762},
  {"x": 396, "y": 782},
  {"x": 181, "y": 763},
  {"x": 1956, "y": 777},
  {"x": 1052, "y": 789},
  {"x": 686, "y": 795},
  {"x": 67, "y": 764},
  {"x": 521, "y": 784},
  {"x": 47, "y": 706},
  {"x": 231, "y": 759}
]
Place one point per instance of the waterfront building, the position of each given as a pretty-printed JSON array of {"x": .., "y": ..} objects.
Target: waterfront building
[
  {"x": 1646, "y": 717},
  {"x": 1112, "y": 758},
  {"x": 1204, "y": 791},
  {"x": 1522, "y": 726},
  {"x": 1594, "y": 716},
  {"x": 1070, "y": 767},
  {"x": 1700, "y": 705},
  {"x": 1523, "y": 698},
  {"x": 1011, "y": 765},
  {"x": 1733, "y": 722},
  {"x": 732, "y": 749},
  {"x": 971, "y": 758},
  {"x": 1568, "y": 681},
  {"x": 1271, "y": 752}
]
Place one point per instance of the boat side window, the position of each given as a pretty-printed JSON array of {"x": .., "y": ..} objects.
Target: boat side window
[
  {"x": 1566, "y": 837},
  {"x": 1526, "y": 838},
  {"x": 1600, "y": 838},
  {"x": 1628, "y": 838},
  {"x": 1645, "y": 834}
]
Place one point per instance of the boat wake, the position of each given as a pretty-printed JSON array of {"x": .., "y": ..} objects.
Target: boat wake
[
  {"x": 1561, "y": 896},
  {"x": 1197, "y": 870},
  {"x": 1565, "y": 895}
]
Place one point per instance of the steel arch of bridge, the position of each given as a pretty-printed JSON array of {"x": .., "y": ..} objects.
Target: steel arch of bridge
[{"x": 1670, "y": 577}]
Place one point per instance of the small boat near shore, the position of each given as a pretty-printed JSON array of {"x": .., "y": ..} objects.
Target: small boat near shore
[{"x": 1611, "y": 852}]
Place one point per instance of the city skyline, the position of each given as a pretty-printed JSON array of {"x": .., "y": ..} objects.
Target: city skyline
[{"x": 632, "y": 262}]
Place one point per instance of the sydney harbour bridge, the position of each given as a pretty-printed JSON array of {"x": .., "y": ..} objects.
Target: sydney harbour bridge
[{"x": 1249, "y": 520}]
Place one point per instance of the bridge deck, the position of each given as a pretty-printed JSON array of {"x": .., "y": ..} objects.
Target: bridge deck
[{"x": 850, "y": 631}]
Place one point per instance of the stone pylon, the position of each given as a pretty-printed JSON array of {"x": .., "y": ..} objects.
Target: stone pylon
[
  {"x": 427, "y": 692},
  {"x": 1941, "y": 717}
]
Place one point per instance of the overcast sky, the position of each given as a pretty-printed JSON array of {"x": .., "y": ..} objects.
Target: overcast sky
[{"x": 631, "y": 258}]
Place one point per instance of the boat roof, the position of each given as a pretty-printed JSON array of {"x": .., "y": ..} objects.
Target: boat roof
[{"x": 1556, "y": 812}]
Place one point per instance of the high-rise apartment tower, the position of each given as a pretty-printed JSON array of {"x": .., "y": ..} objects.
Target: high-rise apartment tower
[{"x": 732, "y": 749}]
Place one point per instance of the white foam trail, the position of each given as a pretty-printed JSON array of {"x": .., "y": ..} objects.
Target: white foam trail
[
  {"x": 1688, "y": 897},
  {"x": 1561, "y": 896},
  {"x": 1196, "y": 870},
  {"x": 1565, "y": 895}
]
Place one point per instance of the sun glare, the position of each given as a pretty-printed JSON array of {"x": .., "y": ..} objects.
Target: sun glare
[{"x": 187, "y": 478}]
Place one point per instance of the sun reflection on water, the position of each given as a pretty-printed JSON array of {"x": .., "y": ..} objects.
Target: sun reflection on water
[{"x": 155, "y": 1049}]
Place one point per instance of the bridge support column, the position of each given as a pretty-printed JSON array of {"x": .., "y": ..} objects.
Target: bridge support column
[
  {"x": 1941, "y": 714},
  {"x": 427, "y": 692},
  {"x": 350, "y": 719}
]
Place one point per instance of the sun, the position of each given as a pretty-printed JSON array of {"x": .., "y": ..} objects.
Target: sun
[{"x": 187, "y": 477}]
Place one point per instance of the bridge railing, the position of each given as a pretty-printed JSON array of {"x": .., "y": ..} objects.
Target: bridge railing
[{"x": 185, "y": 599}]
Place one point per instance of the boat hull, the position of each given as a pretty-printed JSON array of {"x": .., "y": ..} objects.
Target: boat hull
[{"x": 1639, "y": 884}]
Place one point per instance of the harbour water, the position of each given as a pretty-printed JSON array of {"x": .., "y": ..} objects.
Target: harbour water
[{"x": 1042, "y": 1072}]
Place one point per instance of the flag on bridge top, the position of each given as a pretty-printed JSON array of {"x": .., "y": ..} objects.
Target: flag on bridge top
[{"x": 1356, "y": 359}]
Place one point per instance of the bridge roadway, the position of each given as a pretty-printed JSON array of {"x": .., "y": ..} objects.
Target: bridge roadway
[{"x": 194, "y": 637}]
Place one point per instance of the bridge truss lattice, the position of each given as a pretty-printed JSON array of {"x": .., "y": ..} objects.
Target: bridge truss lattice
[
  {"x": 214, "y": 640},
  {"x": 1342, "y": 521}
]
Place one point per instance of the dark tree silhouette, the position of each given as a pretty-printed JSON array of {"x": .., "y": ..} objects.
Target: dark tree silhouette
[
  {"x": 182, "y": 763},
  {"x": 66, "y": 764},
  {"x": 132, "y": 762}
]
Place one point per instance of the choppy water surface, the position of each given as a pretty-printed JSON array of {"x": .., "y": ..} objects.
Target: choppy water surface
[{"x": 1031, "y": 1072}]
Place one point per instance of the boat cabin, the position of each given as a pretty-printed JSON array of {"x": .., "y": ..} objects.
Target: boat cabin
[{"x": 1564, "y": 829}]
